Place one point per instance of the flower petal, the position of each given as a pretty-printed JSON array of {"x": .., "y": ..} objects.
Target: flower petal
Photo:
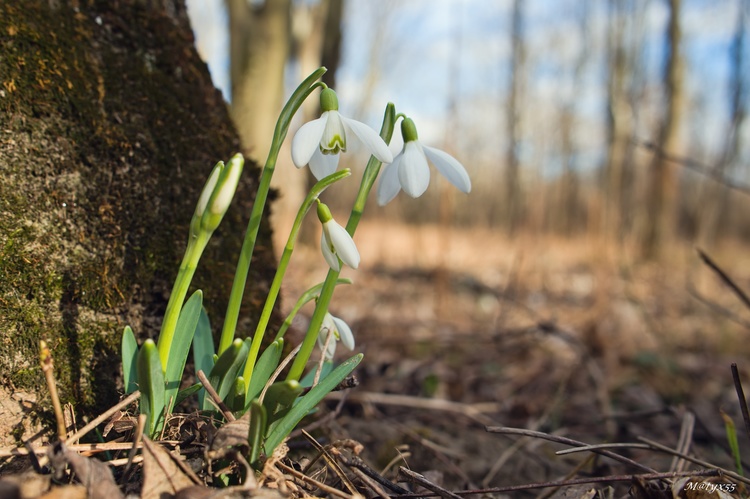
[
  {"x": 326, "y": 328},
  {"x": 413, "y": 172},
  {"x": 343, "y": 244},
  {"x": 369, "y": 138},
  {"x": 307, "y": 140},
  {"x": 325, "y": 247},
  {"x": 322, "y": 165},
  {"x": 389, "y": 185},
  {"x": 345, "y": 333},
  {"x": 333, "y": 140},
  {"x": 449, "y": 167}
]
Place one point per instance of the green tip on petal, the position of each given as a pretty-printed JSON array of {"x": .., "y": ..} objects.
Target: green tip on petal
[
  {"x": 408, "y": 130},
  {"x": 329, "y": 101},
  {"x": 324, "y": 213}
]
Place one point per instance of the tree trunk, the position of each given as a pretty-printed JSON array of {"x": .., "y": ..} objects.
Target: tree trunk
[
  {"x": 110, "y": 125},
  {"x": 661, "y": 203},
  {"x": 512, "y": 179},
  {"x": 259, "y": 45}
]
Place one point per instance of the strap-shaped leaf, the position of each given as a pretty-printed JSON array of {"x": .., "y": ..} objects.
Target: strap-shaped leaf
[
  {"x": 266, "y": 365},
  {"x": 203, "y": 349},
  {"x": 280, "y": 397},
  {"x": 129, "y": 356},
  {"x": 257, "y": 430},
  {"x": 236, "y": 396},
  {"x": 307, "y": 381},
  {"x": 227, "y": 368},
  {"x": 308, "y": 402},
  {"x": 151, "y": 383},
  {"x": 185, "y": 393},
  {"x": 178, "y": 350}
]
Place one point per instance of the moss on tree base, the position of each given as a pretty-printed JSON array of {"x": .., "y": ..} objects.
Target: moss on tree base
[{"x": 109, "y": 125}]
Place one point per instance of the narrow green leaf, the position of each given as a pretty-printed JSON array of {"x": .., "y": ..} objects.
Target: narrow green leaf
[
  {"x": 227, "y": 367},
  {"x": 267, "y": 364},
  {"x": 183, "y": 394},
  {"x": 308, "y": 402},
  {"x": 178, "y": 351},
  {"x": 129, "y": 357},
  {"x": 203, "y": 349},
  {"x": 236, "y": 397},
  {"x": 151, "y": 383},
  {"x": 280, "y": 397},
  {"x": 307, "y": 381},
  {"x": 734, "y": 444},
  {"x": 257, "y": 430}
]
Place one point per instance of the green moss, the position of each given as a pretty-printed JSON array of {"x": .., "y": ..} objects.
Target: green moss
[{"x": 109, "y": 124}]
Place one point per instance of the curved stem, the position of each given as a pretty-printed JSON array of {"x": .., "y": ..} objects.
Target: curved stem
[
  {"x": 179, "y": 291},
  {"x": 253, "y": 225},
  {"x": 273, "y": 292},
  {"x": 368, "y": 180}
]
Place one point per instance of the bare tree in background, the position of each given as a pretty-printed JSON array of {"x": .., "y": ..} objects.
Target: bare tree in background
[
  {"x": 715, "y": 197},
  {"x": 259, "y": 35},
  {"x": 661, "y": 203},
  {"x": 513, "y": 194}
]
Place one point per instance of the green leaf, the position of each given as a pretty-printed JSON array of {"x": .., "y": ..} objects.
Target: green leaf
[
  {"x": 307, "y": 381},
  {"x": 178, "y": 351},
  {"x": 227, "y": 368},
  {"x": 257, "y": 430},
  {"x": 236, "y": 397},
  {"x": 151, "y": 383},
  {"x": 308, "y": 402},
  {"x": 267, "y": 364},
  {"x": 129, "y": 357},
  {"x": 203, "y": 349},
  {"x": 183, "y": 394},
  {"x": 280, "y": 397}
]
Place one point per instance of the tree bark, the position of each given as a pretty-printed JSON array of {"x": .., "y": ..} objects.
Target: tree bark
[
  {"x": 109, "y": 126},
  {"x": 661, "y": 203}
]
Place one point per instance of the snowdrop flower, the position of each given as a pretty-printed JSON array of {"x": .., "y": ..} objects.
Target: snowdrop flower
[
  {"x": 320, "y": 141},
  {"x": 341, "y": 332},
  {"x": 336, "y": 242},
  {"x": 409, "y": 170}
]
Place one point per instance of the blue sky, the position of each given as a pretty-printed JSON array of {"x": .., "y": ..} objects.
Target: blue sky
[{"x": 432, "y": 53}]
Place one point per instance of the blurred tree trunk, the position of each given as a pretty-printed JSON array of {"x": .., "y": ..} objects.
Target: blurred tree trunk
[
  {"x": 513, "y": 194},
  {"x": 620, "y": 122},
  {"x": 260, "y": 41},
  {"x": 110, "y": 125},
  {"x": 715, "y": 197},
  {"x": 661, "y": 203},
  {"x": 317, "y": 42}
]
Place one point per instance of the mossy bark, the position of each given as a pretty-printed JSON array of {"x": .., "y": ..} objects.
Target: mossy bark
[{"x": 109, "y": 125}]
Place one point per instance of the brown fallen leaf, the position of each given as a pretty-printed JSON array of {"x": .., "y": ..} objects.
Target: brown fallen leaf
[
  {"x": 231, "y": 435},
  {"x": 161, "y": 475},
  {"x": 93, "y": 474}
]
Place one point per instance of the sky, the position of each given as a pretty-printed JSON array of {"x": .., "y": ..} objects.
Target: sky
[{"x": 445, "y": 63}]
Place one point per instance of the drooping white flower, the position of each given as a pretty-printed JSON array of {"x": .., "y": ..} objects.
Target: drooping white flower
[
  {"x": 336, "y": 242},
  {"x": 409, "y": 170},
  {"x": 319, "y": 142},
  {"x": 340, "y": 331}
]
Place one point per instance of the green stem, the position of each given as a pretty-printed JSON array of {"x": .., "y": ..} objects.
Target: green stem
[
  {"x": 273, "y": 292},
  {"x": 368, "y": 180},
  {"x": 251, "y": 235},
  {"x": 179, "y": 291}
]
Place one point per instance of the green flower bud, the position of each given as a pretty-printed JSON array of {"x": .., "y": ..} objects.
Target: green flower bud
[
  {"x": 329, "y": 101},
  {"x": 408, "y": 130}
]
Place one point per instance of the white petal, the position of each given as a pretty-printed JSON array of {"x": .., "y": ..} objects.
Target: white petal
[
  {"x": 343, "y": 244},
  {"x": 413, "y": 172},
  {"x": 331, "y": 259},
  {"x": 369, "y": 138},
  {"x": 322, "y": 165},
  {"x": 345, "y": 333},
  {"x": 307, "y": 140},
  {"x": 327, "y": 327},
  {"x": 389, "y": 185},
  {"x": 334, "y": 134},
  {"x": 449, "y": 167}
]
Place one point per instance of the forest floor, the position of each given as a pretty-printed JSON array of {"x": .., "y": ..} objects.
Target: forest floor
[{"x": 467, "y": 329}]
